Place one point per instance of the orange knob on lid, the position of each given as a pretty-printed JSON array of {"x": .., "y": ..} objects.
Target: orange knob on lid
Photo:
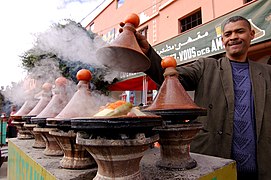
[
  {"x": 61, "y": 81},
  {"x": 83, "y": 75},
  {"x": 133, "y": 19},
  {"x": 168, "y": 62},
  {"x": 46, "y": 86}
]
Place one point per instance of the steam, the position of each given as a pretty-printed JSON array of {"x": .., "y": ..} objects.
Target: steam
[
  {"x": 15, "y": 93},
  {"x": 70, "y": 42},
  {"x": 46, "y": 70}
]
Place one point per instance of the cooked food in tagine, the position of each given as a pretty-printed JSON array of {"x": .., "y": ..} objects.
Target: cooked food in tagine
[{"x": 119, "y": 108}]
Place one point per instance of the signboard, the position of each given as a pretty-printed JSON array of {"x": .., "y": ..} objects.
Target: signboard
[{"x": 206, "y": 40}]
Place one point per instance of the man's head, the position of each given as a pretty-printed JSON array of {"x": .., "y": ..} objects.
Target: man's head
[{"x": 236, "y": 37}]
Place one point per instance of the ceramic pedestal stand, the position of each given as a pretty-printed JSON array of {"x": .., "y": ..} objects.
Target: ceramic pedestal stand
[
  {"x": 75, "y": 155},
  {"x": 30, "y": 127},
  {"x": 175, "y": 145},
  {"x": 117, "y": 159},
  {"x": 39, "y": 143},
  {"x": 52, "y": 147},
  {"x": 23, "y": 133}
]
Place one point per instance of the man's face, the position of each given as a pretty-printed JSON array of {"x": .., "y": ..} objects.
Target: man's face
[{"x": 236, "y": 38}]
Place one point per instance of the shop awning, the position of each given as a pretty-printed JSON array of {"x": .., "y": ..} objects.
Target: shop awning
[{"x": 133, "y": 84}]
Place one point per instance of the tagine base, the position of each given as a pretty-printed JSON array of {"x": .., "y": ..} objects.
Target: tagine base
[
  {"x": 30, "y": 127},
  {"x": 75, "y": 156},
  {"x": 52, "y": 148},
  {"x": 117, "y": 159},
  {"x": 27, "y": 119},
  {"x": 41, "y": 122},
  {"x": 175, "y": 145},
  {"x": 23, "y": 133},
  {"x": 39, "y": 143}
]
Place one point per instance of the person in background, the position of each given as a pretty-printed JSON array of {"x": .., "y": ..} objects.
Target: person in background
[
  {"x": 11, "y": 131},
  {"x": 237, "y": 95}
]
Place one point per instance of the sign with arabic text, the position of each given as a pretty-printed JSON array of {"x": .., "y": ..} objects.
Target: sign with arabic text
[{"x": 205, "y": 40}]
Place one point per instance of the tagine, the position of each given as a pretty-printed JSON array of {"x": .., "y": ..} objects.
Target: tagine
[
  {"x": 178, "y": 111},
  {"x": 81, "y": 104},
  {"x": 56, "y": 104}
]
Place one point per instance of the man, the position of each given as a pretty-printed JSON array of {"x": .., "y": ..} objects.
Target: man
[{"x": 237, "y": 95}]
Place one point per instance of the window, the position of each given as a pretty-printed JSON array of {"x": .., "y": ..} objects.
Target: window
[
  {"x": 190, "y": 21},
  {"x": 246, "y": 1},
  {"x": 119, "y": 3},
  {"x": 144, "y": 31}
]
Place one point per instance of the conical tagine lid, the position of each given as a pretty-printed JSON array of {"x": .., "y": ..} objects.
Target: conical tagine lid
[
  {"x": 124, "y": 54},
  {"x": 81, "y": 103},
  {"x": 25, "y": 109},
  {"x": 46, "y": 96},
  {"x": 58, "y": 101},
  {"x": 172, "y": 100}
]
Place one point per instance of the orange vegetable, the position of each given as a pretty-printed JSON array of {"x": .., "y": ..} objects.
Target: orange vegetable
[
  {"x": 168, "y": 62},
  {"x": 83, "y": 75},
  {"x": 116, "y": 104},
  {"x": 133, "y": 19},
  {"x": 61, "y": 81}
]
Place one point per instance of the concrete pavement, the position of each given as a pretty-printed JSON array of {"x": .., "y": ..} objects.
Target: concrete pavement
[{"x": 4, "y": 171}]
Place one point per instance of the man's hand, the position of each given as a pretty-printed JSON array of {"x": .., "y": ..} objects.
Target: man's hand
[
  {"x": 141, "y": 40},
  {"x": 143, "y": 43}
]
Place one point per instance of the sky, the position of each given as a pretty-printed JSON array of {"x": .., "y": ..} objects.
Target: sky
[{"x": 21, "y": 21}]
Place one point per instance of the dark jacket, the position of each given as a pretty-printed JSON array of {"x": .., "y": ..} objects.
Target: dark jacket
[{"x": 212, "y": 81}]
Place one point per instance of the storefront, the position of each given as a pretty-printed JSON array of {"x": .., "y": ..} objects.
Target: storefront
[{"x": 206, "y": 41}]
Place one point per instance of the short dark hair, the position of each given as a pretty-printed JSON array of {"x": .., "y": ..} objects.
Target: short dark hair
[{"x": 234, "y": 19}]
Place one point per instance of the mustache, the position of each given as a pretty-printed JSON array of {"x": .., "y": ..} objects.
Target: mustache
[{"x": 234, "y": 42}]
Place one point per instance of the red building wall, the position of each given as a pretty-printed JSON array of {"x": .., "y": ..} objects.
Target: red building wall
[{"x": 161, "y": 16}]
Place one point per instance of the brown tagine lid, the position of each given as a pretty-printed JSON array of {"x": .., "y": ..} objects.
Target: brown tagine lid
[
  {"x": 124, "y": 54},
  {"x": 172, "y": 100}
]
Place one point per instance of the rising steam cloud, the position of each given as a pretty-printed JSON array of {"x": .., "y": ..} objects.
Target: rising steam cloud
[{"x": 71, "y": 43}]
